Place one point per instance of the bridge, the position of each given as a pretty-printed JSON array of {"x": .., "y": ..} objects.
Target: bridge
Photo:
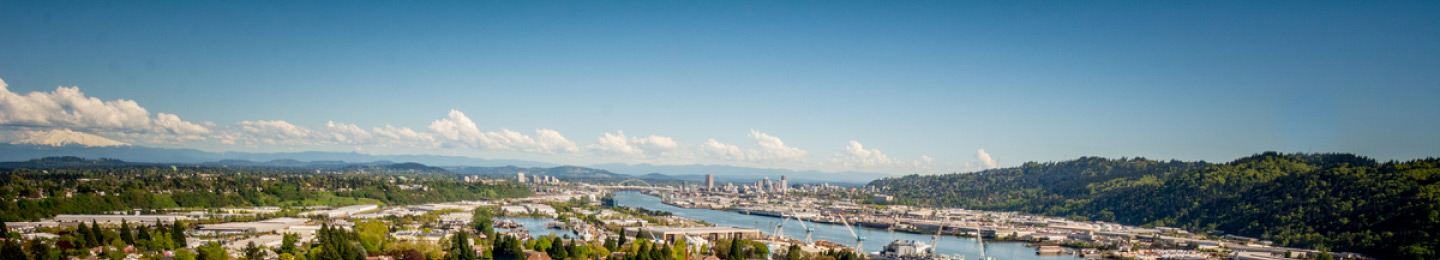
[{"x": 636, "y": 185}]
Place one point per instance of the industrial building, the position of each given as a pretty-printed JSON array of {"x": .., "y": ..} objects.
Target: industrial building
[
  {"x": 115, "y": 220},
  {"x": 342, "y": 211},
  {"x": 671, "y": 234},
  {"x": 264, "y": 226}
]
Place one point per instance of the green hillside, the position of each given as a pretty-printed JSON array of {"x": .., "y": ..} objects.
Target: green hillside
[{"x": 1338, "y": 202}]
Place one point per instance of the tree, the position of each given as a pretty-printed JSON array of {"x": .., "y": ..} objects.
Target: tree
[
  {"x": 573, "y": 251},
  {"x": 82, "y": 234},
  {"x": 666, "y": 253},
  {"x": 184, "y": 254},
  {"x": 556, "y": 250},
  {"x": 287, "y": 244},
  {"x": 117, "y": 243},
  {"x": 460, "y": 248},
  {"x": 114, "y": 254},
  {"x": 253, "y": 252},
  {"x": 372, "y": 235},
  {"x": 484, "y": 223},
  {"x": 335, "y": 244},
  {"x": 3, "y": 228},
  {"x": 212, "y": 251},
  {"x": 507, "y": 248},
  {"x": 125, "y": 234},
  {"x": 736, "y": 249},
  {"x": 412, "y": 254},
  {"x": 177, "y": 235},
  {"x": 11, "y": 251},
  {"x": 792, "y": 253},
  {"x": 142, "y": 232},
  {"x": 97, "y": 234},
  {"x": 622, "y": 239},
  {"x": 39, "y": 250}
]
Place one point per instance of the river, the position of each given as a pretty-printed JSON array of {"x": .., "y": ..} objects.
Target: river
[{"x": 875, "y": 239}]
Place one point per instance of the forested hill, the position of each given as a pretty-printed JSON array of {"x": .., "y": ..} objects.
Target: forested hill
[{"x": 1340, "y": 202}]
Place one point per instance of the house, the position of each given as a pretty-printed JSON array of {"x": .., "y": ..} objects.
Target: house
[{"x": 536, "y": 255}]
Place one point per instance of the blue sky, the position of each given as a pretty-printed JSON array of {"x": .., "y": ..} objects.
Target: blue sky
[{"x": 827, "y": 85}]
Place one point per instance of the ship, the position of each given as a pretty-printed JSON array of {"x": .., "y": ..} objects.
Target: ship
[{"x": 910, "y": 250}]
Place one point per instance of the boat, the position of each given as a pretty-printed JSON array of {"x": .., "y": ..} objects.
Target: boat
[
  {"x": 508, "y": 224},
  {"x": 910, "y": 250},
  {"x": 1049, "y": 250},
  {"x": 555, "y": 225}
]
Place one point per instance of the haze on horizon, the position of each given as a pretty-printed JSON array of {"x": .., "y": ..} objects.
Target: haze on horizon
[{"x": 898, "y": 88}]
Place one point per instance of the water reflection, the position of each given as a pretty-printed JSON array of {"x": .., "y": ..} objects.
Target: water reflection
[
  {"x": 875, "y": 239},
  {"x": 535, "y": 226}
]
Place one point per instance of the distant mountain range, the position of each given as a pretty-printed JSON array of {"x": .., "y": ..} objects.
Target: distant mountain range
[
  {"x": 133, "y": 153},
  {"x": 562, "y": 172},
  {"x": 455, "y": 164},
  {"x": 725, "y": 173}
]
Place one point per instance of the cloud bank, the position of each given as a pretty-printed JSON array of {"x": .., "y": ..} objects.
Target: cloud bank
[
  {"x": 68, "y": 108},
  {"x": 67, "y": 113}
]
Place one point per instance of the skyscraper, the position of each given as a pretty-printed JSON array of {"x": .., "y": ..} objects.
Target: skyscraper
[
  {"x": 709, "y": 182},
  {"x": 521, "y": 177}
]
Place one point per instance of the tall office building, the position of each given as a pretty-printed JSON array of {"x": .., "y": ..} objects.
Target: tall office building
[
  {"x": 784, "y": 184},
  {"x": 521, "y": 177},
  {"x": 710, "y": 182}
]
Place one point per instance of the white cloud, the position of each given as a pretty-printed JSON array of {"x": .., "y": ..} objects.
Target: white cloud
[
  {"x": 69, "y": 108},
  {"x": 551, "y": 141},
  {"x": 638, "y": 147},
  {"x": 724, "y": 151},
  {"x": 402, "y": 135},
  {"x": 346, "y": 133},
  {"x": 460, "y": 129},
  {"x": 276, "y": 132},
  {"x": 855, "y": 155},
  {"x": 985, "y": 160},
  {"x": 457, "y": 127},
  {"x": 771, "y": 150}
]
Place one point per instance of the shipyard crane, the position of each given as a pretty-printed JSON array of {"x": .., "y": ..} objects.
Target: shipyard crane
[
  {"x": 780, "y": 228},
  {"x": 809, "y": 229},
  {"x": 935, "y": 240},
  {"x": 980, "y": 239},
  {"x": 859, "y": 240},
  {"x": 779, "y": 231}
]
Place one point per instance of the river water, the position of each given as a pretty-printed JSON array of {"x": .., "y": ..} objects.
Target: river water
[
  {"x": 535, "y": 226},
  {"x": 875, "y": 239}
]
